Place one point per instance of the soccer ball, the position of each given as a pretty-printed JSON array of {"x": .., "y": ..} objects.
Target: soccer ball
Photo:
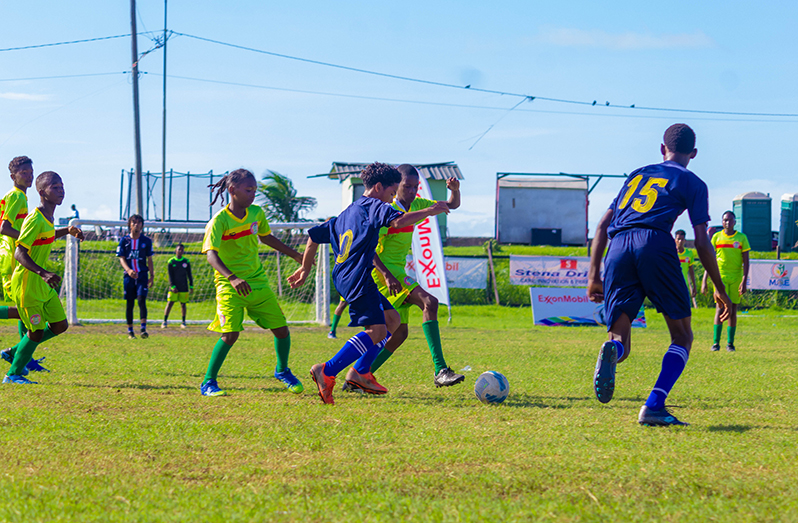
[{"x": 491, "y": 387}]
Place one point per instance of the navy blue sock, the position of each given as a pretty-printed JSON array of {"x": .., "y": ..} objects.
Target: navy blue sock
[
  {"x": 619, "y": 348},
  {"x": 130, "y": 329},
  {"x": 363, "y": 364},
  {"x": 143, "y": 326},
  {"x": 355, "y": 347},
  {"x": 672, "y": 366}
]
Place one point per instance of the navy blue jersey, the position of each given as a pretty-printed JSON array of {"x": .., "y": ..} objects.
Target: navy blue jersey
[
  {"x": 655, "y": 195},
  {"x": 135, "y": 252},
  {"x": 353, "y": 235}
]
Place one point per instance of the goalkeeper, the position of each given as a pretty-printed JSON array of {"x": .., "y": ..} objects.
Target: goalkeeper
[{"x": 180, "y": 284}]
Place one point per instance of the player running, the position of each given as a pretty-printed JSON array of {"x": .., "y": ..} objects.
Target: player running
[
  {"x": 32, "y": 286},
  {"x": 687, "y": 259},
  {"x": 354, "y": 235},
  {"x": 231, "y": 245},
  {"x": 642, "y": 262},
  {"x": 181, "y": 282},
  {"x": 392, "y": 249},
  {"x": 732, "y": 251}
]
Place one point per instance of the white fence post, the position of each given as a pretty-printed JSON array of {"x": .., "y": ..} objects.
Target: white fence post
[
  {"x": 323, "y": 285},
  {"x": 71, "y": 276}
]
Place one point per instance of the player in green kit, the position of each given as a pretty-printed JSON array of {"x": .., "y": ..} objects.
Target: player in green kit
[
  {"x": 687, "y": 258},
  {"x": 181, "y": 282},
  {"x": 231, "y": 245},
  {"x": 32, "y": 286},
  {"x": 392, "y": 250},
  {"x": 731, "y": 250}
]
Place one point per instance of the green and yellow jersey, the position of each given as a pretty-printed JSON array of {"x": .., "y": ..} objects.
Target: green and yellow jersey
[
  {"x": 37, "y": 235},
  {"x": 14, "y": 208},
  {"x": 236, "y": 241},
  {"x": 686, "y": 260},
  {"x": 729, "y": 251},
  {"x": 394, "y": 244}
]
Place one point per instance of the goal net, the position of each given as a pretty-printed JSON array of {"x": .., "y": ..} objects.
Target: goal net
[{"x": 92, "y": 285}]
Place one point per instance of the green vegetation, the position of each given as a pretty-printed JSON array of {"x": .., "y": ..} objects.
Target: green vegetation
[{"x": 119, "y": 432}]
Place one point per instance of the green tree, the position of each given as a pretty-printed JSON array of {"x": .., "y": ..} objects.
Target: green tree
[{"x": 279, "y": 200}]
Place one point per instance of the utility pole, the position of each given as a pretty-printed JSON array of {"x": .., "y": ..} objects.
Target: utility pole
[
  {"x": 163, "y": 125},
  {"x": 136, "y": 121}
]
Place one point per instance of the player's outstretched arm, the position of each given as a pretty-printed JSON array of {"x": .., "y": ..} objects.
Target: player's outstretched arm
[
  {"x": 275, "y": 243},
  {"x": 394, "y": 285},
  {"x": 24, "y": 259},
  {"x": 706, "y": 253},
  {"x": 410, "y": 218},
  {"x": 454, "y": 199},
  {"x": 74, "y": 231},
  {"x": 595, "y": 287},
  {"x": 300, "y": 275},
  {"x": 241, "y": 286}
]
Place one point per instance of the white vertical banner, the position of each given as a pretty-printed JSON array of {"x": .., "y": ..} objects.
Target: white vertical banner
[{"x": 428, "y": 252}]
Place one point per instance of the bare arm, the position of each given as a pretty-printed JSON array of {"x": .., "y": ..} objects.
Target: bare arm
[
  {"x": 8, "y": 230},
  {"x": 24, "y": 259},
  {"x": 152, "y": 271},
  {"x": 394, "y": 285},
  {"x": 410, "y": 218},
  {"x": 706, "y": 253},
  {"x": 746, "y": 265},
  {"x": 241, "y": 286},
  {"x": 301, "y": 274},
  {"x": 691, "y": 276},
  {"x": 130, "y": 272},
  {"x": 595, "y": 287},
  {"x": 74, "y": 231},
  {"x": 273, "y": 242},
  {"x": 454, "y": 199}
]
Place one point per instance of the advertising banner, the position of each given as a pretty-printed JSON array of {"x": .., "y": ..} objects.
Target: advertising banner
[
  {"x": 549, "y": 271},
  {"x": 773, "y": 275},
  {"x": 430, "y": 268},
  {"x": 461, "y": 273},
  {"x": 556, "y": 307}
]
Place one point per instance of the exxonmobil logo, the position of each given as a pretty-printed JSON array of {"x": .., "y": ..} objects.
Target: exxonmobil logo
[{"x": 562, "y": 299}]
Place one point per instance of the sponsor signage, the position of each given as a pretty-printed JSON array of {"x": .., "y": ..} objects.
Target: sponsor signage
[
  {"x": 549, "y": 271},
  {"x": 461, "y": 273},
  {"x": 428, "y": 253},
  {"x": 773, "y": 275},
  {"x": 560, "y": 306}
]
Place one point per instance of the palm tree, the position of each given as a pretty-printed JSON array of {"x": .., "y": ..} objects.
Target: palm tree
[{"x": 279, "y": 199}]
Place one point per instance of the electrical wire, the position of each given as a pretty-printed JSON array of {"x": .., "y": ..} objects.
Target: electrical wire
[
  {"x": 39, "y": 46},
  {"x": 86, "y": 75}
]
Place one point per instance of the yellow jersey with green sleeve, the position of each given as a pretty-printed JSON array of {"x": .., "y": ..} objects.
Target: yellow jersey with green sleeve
[
  {"x": 686, "y": 260},
  {"x": 394, "y": 244},
  {"x": 729, "y": 252},
  {"x": 14, "y": 208},
  {"x": 37, "y": 236},
  {"x": 236, "y": 241}
]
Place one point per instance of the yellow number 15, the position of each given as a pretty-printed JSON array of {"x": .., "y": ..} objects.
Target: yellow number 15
[{"x": 648, "y": 194}]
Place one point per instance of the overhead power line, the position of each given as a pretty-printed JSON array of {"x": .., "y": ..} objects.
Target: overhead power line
[
  {"x": 85, "y": 75},
  {"x": 39, "y": 46}
]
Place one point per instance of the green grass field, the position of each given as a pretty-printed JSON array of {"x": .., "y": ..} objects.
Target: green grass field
[{"x": 119, "y": 432}]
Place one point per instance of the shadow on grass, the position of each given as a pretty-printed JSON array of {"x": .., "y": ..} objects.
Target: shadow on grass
[
  {"x": 137, "y": 386},
  {"x": 730, "y": 428}
]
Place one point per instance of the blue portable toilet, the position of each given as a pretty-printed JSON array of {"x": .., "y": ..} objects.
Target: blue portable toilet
[
  {"x": 788, "y": 226},
  {"x": 753, "y": 219}
]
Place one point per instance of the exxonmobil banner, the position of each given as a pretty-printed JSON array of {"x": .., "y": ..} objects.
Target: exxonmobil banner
[
  {"x": 559, "y": 306},
  {"x": 428, "y": 252},
  {"x": 549, "y": 271},
  {"x": 774, "y": 275},
  {"x": 461, "y": 273}
]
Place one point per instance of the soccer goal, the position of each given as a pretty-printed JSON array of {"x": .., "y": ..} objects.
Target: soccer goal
[{"x": 92, "y": 286}]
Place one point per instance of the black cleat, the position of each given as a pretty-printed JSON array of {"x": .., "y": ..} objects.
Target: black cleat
[
  {"x": 447, "y": 377},
  {"x": 604, "y": 377},
  {"x": 131, "y": 336},
  {"x": 658, "y": 418},
  {"x": 730, "y": 347},
  {"x": 144, "y": 335},
  {"x": 715, "y": 347}
]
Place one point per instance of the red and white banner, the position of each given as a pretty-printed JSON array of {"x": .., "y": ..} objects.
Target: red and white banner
[
  {"x": 461, "y": 272},
  {"x": 550, "y": 271},
  {"x": 428, "y": 252}
]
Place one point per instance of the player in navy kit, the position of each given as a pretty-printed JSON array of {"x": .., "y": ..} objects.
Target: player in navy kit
[
  {"x": 135, "y": 255},
  {"x": 642, "y": 262},
  {"x": 354, "y": 235}
]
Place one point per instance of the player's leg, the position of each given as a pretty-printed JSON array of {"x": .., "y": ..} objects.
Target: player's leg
[
  {"x": 183, "y": 307},
  {"x": 39, "y": 330},
  {"x": 717, "y": 329},
  {"x": 228, "y": 322},
  {"x": 166, "y": 312},
  {"x": 142, "y": 298},
  {"x": 9, "y": 312},
  {"x": 733, "y": 290},
  {"x": 336, "y": 318},
  {"x": 129, "y": 295},
  {"x": 397, "y": 337}
]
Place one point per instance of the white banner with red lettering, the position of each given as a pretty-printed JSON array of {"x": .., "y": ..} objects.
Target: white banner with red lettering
[
  {"x": 558, "y": 306},
  {"x": 461, "y": 273},
  {"x": 773, "y": 275},
  {"x": 428, "y": 253},
  {"x": 549, "y": 271}
]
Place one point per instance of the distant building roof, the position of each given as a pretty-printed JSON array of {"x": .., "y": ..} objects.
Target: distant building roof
[
  {"x": 436, "y": 171},
  {"x": 543, "y": 183},
  {"x": 753, "y": 195}
]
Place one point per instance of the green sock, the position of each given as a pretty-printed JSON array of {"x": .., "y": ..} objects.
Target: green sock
[
  {"x": 282, "y": 347},
  {"x": 220, "y": 351},
  {"x": 3, "y": 312},
  {"x": 433, "y": 335},
  {"x": 22, "y": 329},
  {"x": 47, "y": 335},
  {"x": 335, "y": 319},
  {"x": 23, "y": 356},
  {"x": 381, "y": 358},
  {"x": 730, "y": 332},
  {"x": 716, "y": 334}
]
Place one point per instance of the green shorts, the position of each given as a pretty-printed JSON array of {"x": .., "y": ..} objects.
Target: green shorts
[
  {"x": 397, "y": 300},
  {"x": 37, "y": 316},
  {"x": 732, "y": 285},
  {"x": 260, "y": 304},
  {"x": 182, "y": 297},
  {"x": 6, "y": 278}
]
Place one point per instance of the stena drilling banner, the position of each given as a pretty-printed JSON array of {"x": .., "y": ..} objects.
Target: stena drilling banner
[
  {"x": 553, "y": 307},
  {"x": 773, "y": 275},
  {"x": 549, "y": 271},
  {"x": 428, "y": 252}
]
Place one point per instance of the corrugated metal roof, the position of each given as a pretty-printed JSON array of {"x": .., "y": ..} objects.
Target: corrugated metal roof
[
  {"x": 543, "y": 183},
  {"x": 436, "y": 171}
]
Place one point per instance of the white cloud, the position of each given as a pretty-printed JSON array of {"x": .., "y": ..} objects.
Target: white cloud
[
  {"x": 625, "y": 41},
  {"x": 25, "y": 97}
]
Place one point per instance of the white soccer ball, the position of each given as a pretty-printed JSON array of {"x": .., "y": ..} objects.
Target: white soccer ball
[{"x": 492, "y": 387}]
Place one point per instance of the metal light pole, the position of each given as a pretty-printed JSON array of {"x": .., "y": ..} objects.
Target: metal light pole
[{"x": 136, "y": 121}]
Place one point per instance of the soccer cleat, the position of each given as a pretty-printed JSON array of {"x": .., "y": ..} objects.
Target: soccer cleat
[
  {"x": 18, "y": 380},
  {"x": 332, "y": 336},
  {"x": 35, "y": 365},
  {"x": 325, "y": 383},
  {"x": 715, "y": 347},
  {"x": 730, "y": 347},
  {"x": 365, "y": 382},
  {"x": 131, "y": 336},
  {"x": 291, "y": 381},
  {"x": 163, "y": 325},
  {"x": 447, "y": 377},
  {"x": 144, "y": 335},
  {"x": 604, "y": 377},
  {"x": 346, "y": 387},
  {"x": 183, "y": 325},
  {"x": 658, "y": 418},
  {"x": 211, "y": 388},
  {"x": 6, "y": 355}
]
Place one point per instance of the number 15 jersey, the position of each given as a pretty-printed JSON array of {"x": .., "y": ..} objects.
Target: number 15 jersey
[{"x": 655, "y": 195}]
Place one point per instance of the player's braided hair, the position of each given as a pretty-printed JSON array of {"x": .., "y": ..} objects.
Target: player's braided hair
[
  {"x": 229, "y": 180},
  {"x": 15, "y": 164},
  {"x": 380, "y": 173}
]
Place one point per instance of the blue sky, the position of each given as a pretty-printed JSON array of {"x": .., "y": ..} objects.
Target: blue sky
[{"x": 715, "y": 56}]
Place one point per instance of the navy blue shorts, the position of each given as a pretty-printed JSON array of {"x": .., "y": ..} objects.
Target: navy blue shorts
[
  {"x": 135, "y": 288},
  {"x": 643, "y": 263},
  {"x": 369, "y": 309}
]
